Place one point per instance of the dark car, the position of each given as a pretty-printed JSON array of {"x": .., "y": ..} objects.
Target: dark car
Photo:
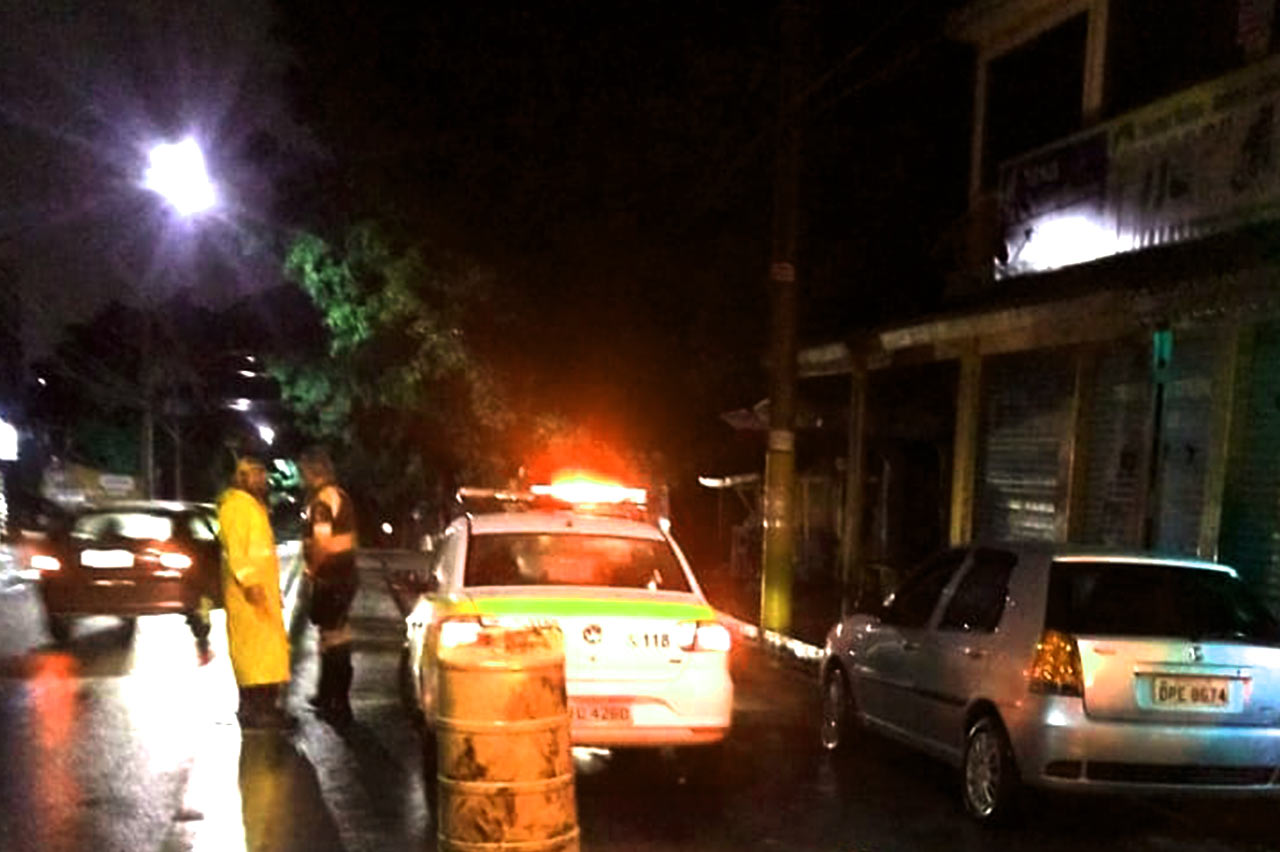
[{"x": 129, "y": 559}]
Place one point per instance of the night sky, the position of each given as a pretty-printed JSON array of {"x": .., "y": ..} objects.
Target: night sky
[{"x": 612, "y": 163}]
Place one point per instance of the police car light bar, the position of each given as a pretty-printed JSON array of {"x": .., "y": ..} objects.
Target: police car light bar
[
  {"x": 590, "y": 491},
  {"x": 470, "y": 492}
]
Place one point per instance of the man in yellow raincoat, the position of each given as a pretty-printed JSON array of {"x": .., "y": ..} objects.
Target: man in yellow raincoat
[{"x": 256, "y": 638}]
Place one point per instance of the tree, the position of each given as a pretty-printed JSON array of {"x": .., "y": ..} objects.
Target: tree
[{"x": 398, "y": 386}]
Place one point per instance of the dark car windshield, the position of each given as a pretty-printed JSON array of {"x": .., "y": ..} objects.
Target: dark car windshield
[
  {"x": 533, "y": 559},
  {"x": 1142, "y": 599},
  {"x": 135, "y": 526}
]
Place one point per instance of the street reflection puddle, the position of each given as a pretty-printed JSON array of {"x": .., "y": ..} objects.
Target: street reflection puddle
[
  {"x": 210, "y": 817},
  {"x": 52, "y": 698}
]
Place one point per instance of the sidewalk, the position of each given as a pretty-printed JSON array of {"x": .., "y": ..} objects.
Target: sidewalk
[{"x": 815, "y": 608}]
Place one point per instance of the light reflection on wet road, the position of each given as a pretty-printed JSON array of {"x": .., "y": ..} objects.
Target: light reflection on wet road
[{"x": 122, "y": 742}]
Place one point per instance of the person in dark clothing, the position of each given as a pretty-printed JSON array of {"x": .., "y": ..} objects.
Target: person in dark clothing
[{"x": 329, "y": 546}]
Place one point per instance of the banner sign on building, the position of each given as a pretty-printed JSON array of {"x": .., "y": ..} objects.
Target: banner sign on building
[{"x": 1197, "y": 163}]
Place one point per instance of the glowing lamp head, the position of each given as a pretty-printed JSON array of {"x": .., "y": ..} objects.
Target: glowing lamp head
[{"x": 176, "y": 172}]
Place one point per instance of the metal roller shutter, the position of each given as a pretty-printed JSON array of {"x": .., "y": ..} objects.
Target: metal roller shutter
[
  {"x": 1025, "y": 421},
  {"x": 1250, "y": 537},
  {"x": 1118, "y": 446},
  {"x": 1185, "y": 431}
]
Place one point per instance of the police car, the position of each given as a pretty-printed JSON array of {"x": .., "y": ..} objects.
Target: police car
[{"x": 646, "y": 661}]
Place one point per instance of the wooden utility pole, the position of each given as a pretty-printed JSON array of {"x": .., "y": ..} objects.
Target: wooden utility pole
[{"x": 780, "y": 461}]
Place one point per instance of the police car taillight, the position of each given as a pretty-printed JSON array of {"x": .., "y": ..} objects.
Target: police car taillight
[
  {"x": 703, "y": 636},
  {"x": 459, "y": 631}
]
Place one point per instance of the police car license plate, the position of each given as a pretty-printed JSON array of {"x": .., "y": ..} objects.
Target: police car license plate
[
  {"x": 1191, "y": 692},
  {"x": 600, "y": 712}
]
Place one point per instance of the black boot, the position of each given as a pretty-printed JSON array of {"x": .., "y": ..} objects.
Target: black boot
[
  {"x": 336, "y": 672},
  {"x": 246, "y": 713},
  {"x": 324, "y": 686},
  {"x": 259, "y": 708}
]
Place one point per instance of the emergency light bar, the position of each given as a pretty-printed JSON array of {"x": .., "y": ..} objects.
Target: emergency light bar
[
  {"x": 577, "y": 491},
  {"x": 587, "y": 491}
]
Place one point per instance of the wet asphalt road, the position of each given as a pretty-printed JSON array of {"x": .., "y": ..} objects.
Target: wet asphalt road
[{"x": 121, "y": 741}]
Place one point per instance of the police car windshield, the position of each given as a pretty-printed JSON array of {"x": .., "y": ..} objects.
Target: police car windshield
[{"x": 557, "y": 559}]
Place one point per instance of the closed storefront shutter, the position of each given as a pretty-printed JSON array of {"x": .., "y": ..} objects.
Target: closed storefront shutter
[
  {"x": 1250, "y": 537},
  {"x": 1026, "y": 404},
  {"x": 1185, "y": 432},
  {"x": 1117, "y": 450}
]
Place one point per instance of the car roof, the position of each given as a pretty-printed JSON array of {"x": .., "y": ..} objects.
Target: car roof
[
  {"x": 563, "y": 522},
  {"x": 1073, "y": 552}
]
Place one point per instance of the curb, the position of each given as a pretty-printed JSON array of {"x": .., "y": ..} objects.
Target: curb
[{"x": 786, "y": 649}]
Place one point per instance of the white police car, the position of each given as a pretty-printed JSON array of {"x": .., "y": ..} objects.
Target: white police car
[{"x": 646, "y": 661}]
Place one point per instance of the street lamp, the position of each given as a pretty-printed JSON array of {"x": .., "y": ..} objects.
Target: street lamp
[{"x": 176, "y": 172}]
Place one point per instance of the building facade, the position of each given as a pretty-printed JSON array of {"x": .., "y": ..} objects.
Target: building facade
[{"x": 1107, "y": 370}]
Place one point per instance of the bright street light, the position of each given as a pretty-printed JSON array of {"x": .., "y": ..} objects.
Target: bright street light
[
  {"x": 267, "y": 434},
  {"x": 176, "y": 171}
]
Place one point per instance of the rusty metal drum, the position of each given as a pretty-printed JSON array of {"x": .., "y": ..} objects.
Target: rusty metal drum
[{"x": 504, "y": 765}]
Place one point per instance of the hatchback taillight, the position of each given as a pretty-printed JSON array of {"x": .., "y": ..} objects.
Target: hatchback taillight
[
  {"x": 175, "y": 561},
  {"x": 1056, "y": 668},
  {"x": 45, "y": 562}
]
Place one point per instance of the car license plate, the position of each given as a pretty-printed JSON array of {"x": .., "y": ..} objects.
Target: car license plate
[
  {"x": 600, "y": 713},
  {"x": 1191, "y": 692},
  {"x": 106, "y": 559}
]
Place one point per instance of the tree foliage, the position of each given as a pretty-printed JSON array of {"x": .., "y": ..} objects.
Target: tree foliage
[{"x": 399, "y": 388}]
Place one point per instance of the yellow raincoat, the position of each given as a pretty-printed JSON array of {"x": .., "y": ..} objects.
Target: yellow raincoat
[{"x": 256, "y": 637}]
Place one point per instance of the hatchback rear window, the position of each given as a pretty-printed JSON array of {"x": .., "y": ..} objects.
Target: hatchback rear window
[
  {"x": 136, "y": 526},
  {"x": 1106, "y": 598},
  {"x": 532, "y": 559}
]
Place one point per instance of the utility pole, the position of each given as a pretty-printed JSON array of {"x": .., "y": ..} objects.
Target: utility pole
[{"x": 780, "y": 461}]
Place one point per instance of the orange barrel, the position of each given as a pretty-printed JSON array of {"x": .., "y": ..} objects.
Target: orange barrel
[{"x": 505, "y": 769}]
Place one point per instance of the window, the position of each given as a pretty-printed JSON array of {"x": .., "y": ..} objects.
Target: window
[
  {"x": 136, "y": 526},
  {"x": 202, "y": 528},
  {"x": 1153, "y": 600},
  {"x": 1035, "y": 95},
  {"x": 1156, "y": 48},
  {"x": 979, "y": 600},
  {"x": 914, "y": 602},
  {"x": 538, "y": 559}
]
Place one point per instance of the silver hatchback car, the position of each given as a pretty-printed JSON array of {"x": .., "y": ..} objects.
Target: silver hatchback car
[{"x": 1067, "y": 670}]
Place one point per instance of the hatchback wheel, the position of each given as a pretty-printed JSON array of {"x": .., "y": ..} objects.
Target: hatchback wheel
[
  {"x": 989, "y": 785},
  {"x": 839, "y": 717}
]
